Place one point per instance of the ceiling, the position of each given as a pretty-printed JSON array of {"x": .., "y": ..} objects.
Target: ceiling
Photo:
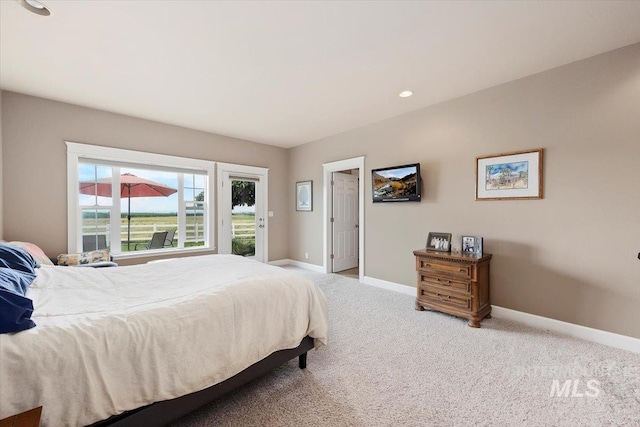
[{"x": 287, "y": 73}]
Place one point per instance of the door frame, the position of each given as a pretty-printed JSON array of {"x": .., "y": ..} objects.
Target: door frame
[
  {"x": 250, "y": 172},
  {"x": 328, "y": 169}
]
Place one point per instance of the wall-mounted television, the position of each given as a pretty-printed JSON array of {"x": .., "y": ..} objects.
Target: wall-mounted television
[{"x": 396, "y": 184}]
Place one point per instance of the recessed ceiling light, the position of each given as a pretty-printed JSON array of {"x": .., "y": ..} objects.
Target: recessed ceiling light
[
  {"x": 35, "y": 7},
  {"x": 405, "y": 94}
]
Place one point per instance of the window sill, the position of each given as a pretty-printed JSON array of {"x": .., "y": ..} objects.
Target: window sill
[{"x": 161, "y": 252}]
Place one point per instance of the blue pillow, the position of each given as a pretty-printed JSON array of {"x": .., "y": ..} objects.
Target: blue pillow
[
  {"x": 15, "y": 308},
  {"x": 17, "y": 259}
]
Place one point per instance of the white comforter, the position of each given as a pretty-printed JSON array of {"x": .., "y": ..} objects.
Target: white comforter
[{"x": 109, "y": 340}]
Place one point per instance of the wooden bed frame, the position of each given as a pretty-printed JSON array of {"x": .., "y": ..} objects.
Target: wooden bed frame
[{"x": 162, "y": 413}]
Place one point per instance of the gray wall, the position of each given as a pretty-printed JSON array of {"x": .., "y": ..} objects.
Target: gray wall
[
  {"x": 570, "y": 256},
  {"x": 35, "y": 184}
]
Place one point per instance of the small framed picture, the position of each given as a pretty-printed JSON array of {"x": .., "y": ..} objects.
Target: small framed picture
[
  {"x": 472, "y": 245},
  {"x": 304, "y": 196},
  {"x": 468, "y": 244},
  {"x": 478, "y": 251},
  {"x": 439, "y": 242}
]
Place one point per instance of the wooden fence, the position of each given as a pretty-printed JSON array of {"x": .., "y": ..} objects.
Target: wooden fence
[
  {"x": 195, "y": 232},
  {"x": 243, "y": 230},
  {"x": 143, "y": 232}
]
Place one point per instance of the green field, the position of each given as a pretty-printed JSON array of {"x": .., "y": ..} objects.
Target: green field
[
  {"x": 143, "y": 226},
  {"x": 244, "y": 241}
]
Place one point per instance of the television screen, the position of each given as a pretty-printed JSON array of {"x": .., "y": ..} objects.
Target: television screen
[{"x": 396, "y": 184}]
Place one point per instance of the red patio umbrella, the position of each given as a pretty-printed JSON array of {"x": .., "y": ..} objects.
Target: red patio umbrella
[{"x": 130, "y": 186}]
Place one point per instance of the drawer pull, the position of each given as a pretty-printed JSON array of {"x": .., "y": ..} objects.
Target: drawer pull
[
  {"x": 462, "y": 270},
  {"x": 444, "y": 282},
  {"x": 443, "y": 298}
]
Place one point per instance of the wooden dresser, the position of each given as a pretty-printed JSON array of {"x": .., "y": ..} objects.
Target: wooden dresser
[
  {"x": 456, "y": 284},
  {"x": 30, "y": 418}
]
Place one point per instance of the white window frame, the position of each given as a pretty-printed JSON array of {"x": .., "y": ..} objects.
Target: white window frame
[{"x": 77, "y": 152}]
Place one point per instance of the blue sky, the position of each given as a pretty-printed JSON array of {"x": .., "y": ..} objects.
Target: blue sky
[
  {"x": 397, "y": 173},
  {"x": 516, "y": 167}
]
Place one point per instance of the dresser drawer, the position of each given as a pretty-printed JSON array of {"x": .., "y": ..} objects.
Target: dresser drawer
[
  {"x": 438, "y": 268},
  {"x": 445, "y": 284},
  {"x": 434, "y": 295},
  {"x": 453, "y": 283}
]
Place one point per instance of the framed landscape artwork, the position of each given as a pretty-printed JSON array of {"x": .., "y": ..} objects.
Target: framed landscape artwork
[
  {"x": 304, "y": 196},
  {"x": 510, "y": 176}
]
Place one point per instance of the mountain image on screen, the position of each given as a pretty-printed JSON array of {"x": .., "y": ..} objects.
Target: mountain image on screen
[{"x": 390, "y": 186}]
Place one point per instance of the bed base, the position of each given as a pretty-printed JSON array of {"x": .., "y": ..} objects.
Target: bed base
[{"x": 161, "y": 413}]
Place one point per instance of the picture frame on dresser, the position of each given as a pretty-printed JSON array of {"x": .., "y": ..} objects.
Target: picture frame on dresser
[
  {"x": 478, "y": 247},
  {"x": 472, "y": 245},
  {"x": 440, "y": 242},
  {"x": 468, "y": 244}
]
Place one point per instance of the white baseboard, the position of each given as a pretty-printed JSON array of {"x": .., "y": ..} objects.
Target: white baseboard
[
  {"x": 391, "y": 286},
  {"x": 293, "y": 262},
  {"x": 577, "y": 331}
]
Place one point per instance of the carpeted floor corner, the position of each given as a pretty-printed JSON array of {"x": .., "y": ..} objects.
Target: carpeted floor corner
[{"x": 389, "y": 365}]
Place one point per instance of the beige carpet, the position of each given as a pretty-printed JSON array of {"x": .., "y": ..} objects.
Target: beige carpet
[{"x": 389, "y": 365}]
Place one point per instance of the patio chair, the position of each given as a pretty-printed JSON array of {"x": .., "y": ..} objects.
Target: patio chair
[
  {"x": 171, "y": 234},
  {"x": 156, "y": 242}
]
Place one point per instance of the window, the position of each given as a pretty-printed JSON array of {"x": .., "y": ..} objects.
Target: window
[
  {"x": 162, "y": 203},
  {"x": 194, "y": 190}
]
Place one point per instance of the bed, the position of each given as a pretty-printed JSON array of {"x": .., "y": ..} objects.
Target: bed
[{"x": 115, "y": 340}]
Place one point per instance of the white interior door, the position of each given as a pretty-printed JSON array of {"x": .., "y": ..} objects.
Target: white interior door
[
  {"x": 242, "y": 207},
  {"x": 345, "y": 221}
]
